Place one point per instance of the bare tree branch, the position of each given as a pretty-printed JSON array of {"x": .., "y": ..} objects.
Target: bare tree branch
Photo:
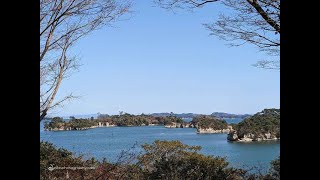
[
  {"x": 275, "y": 65},
  {"x": 255, "y": 22},
  {"x": 170, "y": 4},
  {"x": 63, "y": 23},
  {"x": 264, "y": 15}
]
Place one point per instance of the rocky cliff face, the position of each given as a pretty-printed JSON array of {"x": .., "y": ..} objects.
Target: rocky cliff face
[
  {"x": 179, "y": 125},
  {"x": 212, "y": 131},
  {"x": 69, "y": 128},
  {"x": 233, "y": 136}
]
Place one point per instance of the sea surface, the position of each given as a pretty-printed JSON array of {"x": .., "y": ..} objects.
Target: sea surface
[{"x": 108, "y": 142}]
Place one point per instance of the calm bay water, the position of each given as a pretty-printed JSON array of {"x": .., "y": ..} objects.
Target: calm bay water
[{"x": 109, "y": 142}]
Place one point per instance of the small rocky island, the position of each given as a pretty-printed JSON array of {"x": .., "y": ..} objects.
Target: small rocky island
[
  {"x": 58, "y": 124},
  {"x": 264, "y": 125},
  {"x": 210, "y": 124},
  {"x": 173, "y": 121},
  {"x": 122, "y": 120},
  {"x": 205, "y": 124}
]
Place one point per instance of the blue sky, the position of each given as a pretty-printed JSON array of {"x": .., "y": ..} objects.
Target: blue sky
[{"x": 159, "y": 61}]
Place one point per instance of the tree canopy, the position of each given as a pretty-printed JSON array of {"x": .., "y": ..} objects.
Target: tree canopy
[
  {"x": 205, "y": 121},
  {"x": 266, "y": 121}
]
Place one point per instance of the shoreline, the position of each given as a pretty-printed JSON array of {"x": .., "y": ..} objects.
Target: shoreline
[
  {"x": 93, "y": 127},
  {"x": 261, "y": 141},
  {"x": 247, "y": 140}
]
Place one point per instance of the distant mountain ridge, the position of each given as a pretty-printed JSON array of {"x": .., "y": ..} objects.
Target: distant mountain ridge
[
  {"x": 180, "y": 115},
  {"x": 227, "y": 115},
  {"x": 192, "y": 115},
  {"x": 79, "y": 116}
]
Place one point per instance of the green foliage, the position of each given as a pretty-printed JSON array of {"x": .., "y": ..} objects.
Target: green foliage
[
  {"x": 174, "y": 160},
  {"x": 56, "y": 122},
  {"x": 275, "y": 169},
  {"x": 169, "y": 120},
  {"x": 80, "y": 123},
  {"x": 266, "y": 121},
  {"x": 192, "y": 166},
  {"x": 57, "y": 119},
  {"x": 160, "y": 160},
  {"x": 205, "y": 121},
  {"x": 163, "y": 150},
  {"x": 53, "y": 157},
  {"x": 125, "y": 119},
  {"x": 73, "y": 124}
]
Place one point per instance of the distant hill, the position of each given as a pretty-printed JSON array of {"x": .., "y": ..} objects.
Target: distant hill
[
  {"x": 227, "y": 115},
  {"x": 182, "y": 115},
  {"x": 192, "y": 115},
  {"x": 79, "y": 116}
]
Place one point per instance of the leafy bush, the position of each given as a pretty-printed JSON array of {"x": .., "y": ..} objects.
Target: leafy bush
[
  {"x": 160, "y": 160},
  {"x": 275, "y": 169},
  {"x": 53, "y": 157}
]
